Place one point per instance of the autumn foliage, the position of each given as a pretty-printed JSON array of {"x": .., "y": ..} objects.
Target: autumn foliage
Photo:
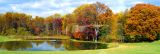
[
  {"x": 91, "y": 14},
  {"x": 143, "y": 20},
  {"x": 140, "y": 23}
]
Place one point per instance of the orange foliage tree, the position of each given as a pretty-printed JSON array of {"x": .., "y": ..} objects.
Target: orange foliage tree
[{"x": 143, "y": 20}]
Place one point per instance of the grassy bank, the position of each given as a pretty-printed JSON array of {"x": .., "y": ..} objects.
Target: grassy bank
[
  {"x": 17, "y": 38},
  {"x": 5, "y": 38}
]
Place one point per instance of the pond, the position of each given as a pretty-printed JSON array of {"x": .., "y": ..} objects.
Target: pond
[{"x": 50, "y": 45}]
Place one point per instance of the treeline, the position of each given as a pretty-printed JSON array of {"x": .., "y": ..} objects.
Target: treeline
[
  {"x": 12, "y": 23},
  {"x": 140, "y": 23}
]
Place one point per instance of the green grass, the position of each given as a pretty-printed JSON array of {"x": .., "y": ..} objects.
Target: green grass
[
  {"x": 8, "y": 38},
  {"x": 24, "y": 38},
  {"x": 35, "y": 37},
  {"x": 123, "y": 48},
  {"x": 3, "y": 38}
]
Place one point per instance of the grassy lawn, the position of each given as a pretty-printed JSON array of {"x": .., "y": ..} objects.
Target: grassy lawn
[
  {"x": 124, "y": 48},
  {"x": 4, "y": 38},
  {"x": 17, "y": 38}
]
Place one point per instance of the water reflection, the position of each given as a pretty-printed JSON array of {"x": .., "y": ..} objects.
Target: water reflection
[
  {"x": 55, "y": 45},
  {"x": 12, "y": 45}
]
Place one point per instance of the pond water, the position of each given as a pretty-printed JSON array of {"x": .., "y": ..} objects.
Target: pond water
[{"x": 50, "y": 45}]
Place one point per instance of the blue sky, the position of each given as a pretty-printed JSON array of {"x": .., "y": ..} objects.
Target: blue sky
[{"x": 46, "y": 8}]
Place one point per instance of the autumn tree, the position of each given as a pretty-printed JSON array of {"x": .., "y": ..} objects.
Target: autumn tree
[
  {"x": 49, "y": 25},
  {"x": 2, "y": 23},
  {"x": 12, "y": 21},
  {"x": 54, "y": 24},
  {"x": 96, "y": 14},
  {"x": 121, "y": 17},
  {"x": 37, "y": 25},
  {"x": 93, "y": 13},
  {"x": 85, "y": 14},
  {"x": 143, "y": 21},
  {"x": 69, "y": 21},
  {"x": 104, "y": 13}
]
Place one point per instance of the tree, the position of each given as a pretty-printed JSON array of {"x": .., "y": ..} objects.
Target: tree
[
  {"x": 105, "y": 18},
  {"x": 104, "y": 13},
  {"x": 37, "y": 25},
  {"x": 69, "y": 21},
  {"x": 93, "y": 14},
  {"x": 143, "y": 20},
  {"x": 2, "y": 23},
  {"x": 121, "y": 21},
  {"x": 54, "y": 24},
  {"x": 12, "y": 21},
  {"x": 85, "y": 14}
]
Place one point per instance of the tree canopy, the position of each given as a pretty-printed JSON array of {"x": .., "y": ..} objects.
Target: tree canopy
[
  {"x": 143, "y": 19},
  {"x": 141, "y": 22}
]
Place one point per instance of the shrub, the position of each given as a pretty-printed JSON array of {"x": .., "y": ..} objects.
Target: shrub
[
  {"x": 22, "y": 31},
  {"x": 10, "y": 31},
  {"x": 104, "y": 34},
  {"x": 106, "y": 38},
  {"x": 136, "y": 38}
]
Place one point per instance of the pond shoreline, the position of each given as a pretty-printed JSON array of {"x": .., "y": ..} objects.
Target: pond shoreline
[
  {"x": 43, "y": 44},
  {"x": 124, "y": 48},
  {"x": 20, "y": 38}
]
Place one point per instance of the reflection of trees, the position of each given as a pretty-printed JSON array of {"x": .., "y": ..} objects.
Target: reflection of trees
[
  {"x": 85, "y": 46},
  {"x": 38, "y": 42},
  {"x": 15, "y": 45},
  {"x": 56, "y": 44},
  {"x": 66, "y": 44}
]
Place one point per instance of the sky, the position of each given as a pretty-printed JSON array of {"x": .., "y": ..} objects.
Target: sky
[{"x": 46, "y": 8}]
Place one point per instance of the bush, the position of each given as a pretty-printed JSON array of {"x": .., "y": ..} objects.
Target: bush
[
  {"x": 10, "y": 31},
  {"x": 22, "y": 31},
  {"x": 136, "y": 38},
  {"x": 103, "y": 31},
  {"x": 158, "y": 36},
  {"x": 103, "y": 34},
  {"x": 106, "y": 38}
]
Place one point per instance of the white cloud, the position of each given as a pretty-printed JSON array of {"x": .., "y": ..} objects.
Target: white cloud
[
  {"x": 48, "y": 7},
  {"x": 137, "y": 2},
  {"x": 122, "y": 5},
  {"x": 45, "y": 8},
  {"x": 35, "y": 5}
]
